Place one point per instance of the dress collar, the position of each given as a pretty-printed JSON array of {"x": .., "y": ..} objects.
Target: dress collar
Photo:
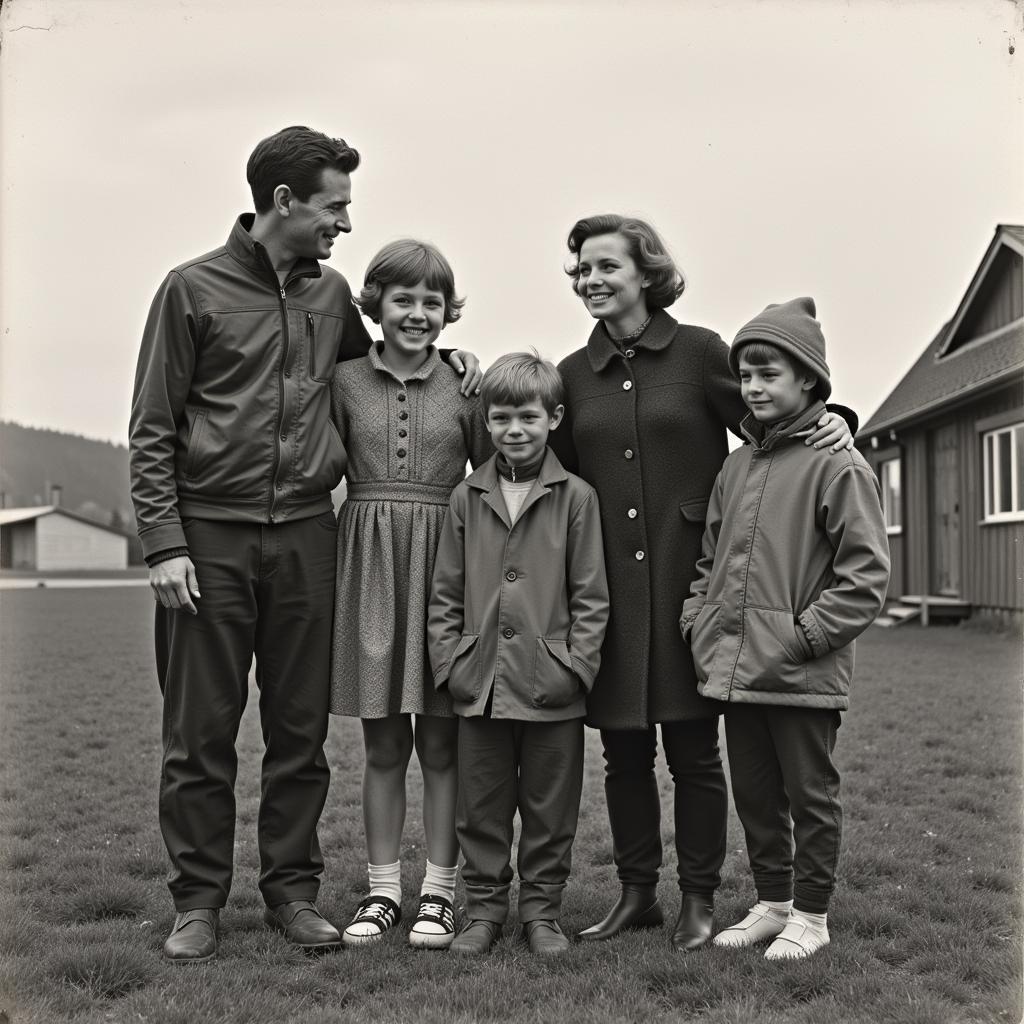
[{"x": 433, "y": 360}]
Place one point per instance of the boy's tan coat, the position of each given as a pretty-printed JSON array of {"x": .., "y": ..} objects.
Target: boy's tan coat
[
  {"x": 521, "y": 606},
  {"x": 795, "y": 566}
]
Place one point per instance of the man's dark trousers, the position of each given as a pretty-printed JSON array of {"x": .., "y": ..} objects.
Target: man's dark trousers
[{"x": 266, "y": 590}]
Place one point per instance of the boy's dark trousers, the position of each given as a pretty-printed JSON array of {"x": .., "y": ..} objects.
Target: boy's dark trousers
[
  {"x": 267, "y": 590},
  {"x": 537, "y": 768},
  {"x": 786, "y": 790}
]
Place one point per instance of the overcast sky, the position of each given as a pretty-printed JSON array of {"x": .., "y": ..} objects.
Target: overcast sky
[{"x": 859, "y": 152}]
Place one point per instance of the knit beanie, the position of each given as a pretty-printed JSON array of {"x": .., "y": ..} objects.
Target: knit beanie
[{"x": 792, "y": 327}]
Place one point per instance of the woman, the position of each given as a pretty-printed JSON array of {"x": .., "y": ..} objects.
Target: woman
[{"x": 648, "y": 403}]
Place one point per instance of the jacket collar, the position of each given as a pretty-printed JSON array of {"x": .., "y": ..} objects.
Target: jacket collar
[
  {"x": 252, "y": 254},
  {"x": 432, "y": 361},
  {"x": 774, "y": 437},
  {"x": 486, "y": 479},
  {"x": 601, "y": 350}
]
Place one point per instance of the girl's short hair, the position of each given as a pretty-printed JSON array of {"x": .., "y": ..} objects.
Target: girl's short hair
[
  {"x": 521, "y": 377},
  {"x": 649, "y": 252},
  {"x": 406, "y": 262}
]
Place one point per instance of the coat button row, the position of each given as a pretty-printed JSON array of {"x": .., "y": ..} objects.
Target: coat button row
[
  {"x": 508, "y": 633},
  {"x": 511, "y": 576},
  {"x": 627, "y": 385}
]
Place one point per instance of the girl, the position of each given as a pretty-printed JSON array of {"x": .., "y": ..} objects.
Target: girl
[
  {"x": 409, "y": 432},
  {"x": 647, "y": 405}
]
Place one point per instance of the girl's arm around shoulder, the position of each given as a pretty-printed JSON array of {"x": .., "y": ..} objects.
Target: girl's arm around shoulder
[
  {"x": 479, "y": 446},
  {"x": 587, "y": 584}
]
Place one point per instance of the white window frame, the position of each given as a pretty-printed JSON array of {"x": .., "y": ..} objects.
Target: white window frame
[
  {"x": 992, "y": 497},
  {"x": 893, "y": 517}
]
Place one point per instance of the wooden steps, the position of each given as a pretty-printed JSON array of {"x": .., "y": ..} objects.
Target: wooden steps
[{"x": 923, "y": 608}]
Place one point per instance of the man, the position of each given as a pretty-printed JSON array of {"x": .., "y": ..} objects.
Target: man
[{"x": 233, "y": 457}]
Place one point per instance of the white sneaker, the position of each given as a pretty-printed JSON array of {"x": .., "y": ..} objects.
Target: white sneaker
[
  {"x": 761, "y": 923},
  {"x": 798, "y": 940}
]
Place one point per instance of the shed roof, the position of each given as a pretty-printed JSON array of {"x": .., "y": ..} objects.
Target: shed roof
[
  {"x": 938, "y": 378},
  {"x": 30, "y": 512}
]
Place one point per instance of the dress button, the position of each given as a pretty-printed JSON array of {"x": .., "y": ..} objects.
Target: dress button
[
  {"x": 400, "y": 453},
  {"x": 631, "y": 513},
  {"x": 287, "y": 373},
  {"x": 628, "y": 453},
  {"x": 401, "y": 396},
  {"x": 403, "y": 432},
  {"x": 639, "y": 556},
  {"x": 511, "y": 576},
  {"x": 626, "y": 385},
  {"x": 403, "y": 415},
  {"x": 284, "y": 437},
  {"x": 630, "y": 353},
  {"x": 508, "y": 633}
]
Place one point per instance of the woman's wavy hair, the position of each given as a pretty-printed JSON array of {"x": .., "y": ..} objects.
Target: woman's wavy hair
[
  {"x": 649, "y": 252},
  {"x": 406, "y": 262}
]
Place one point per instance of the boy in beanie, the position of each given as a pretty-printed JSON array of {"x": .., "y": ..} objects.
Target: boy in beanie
[{"x": 795, "y": 566}]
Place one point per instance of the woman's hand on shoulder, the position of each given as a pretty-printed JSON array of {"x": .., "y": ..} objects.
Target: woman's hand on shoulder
[{"x": 832, "y": 430}]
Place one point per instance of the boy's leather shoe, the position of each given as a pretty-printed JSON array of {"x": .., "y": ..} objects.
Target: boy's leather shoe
[
  {"x": 476, "y": 938},
  {"x": 693, "y": 927},
  {"x": 636, "y": 907},
  {"x": 546, "y": 938},
  {"x": 303, "y": 925},
  {"x": 193, "y": 939}
]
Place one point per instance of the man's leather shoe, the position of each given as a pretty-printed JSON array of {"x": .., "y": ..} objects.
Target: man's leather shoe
[
  {"x": 546, "y": 938},
  {"x": 693, "y": 927},
  {"x": 193, "y": 939},
  {"x": 476, "y": 938},
  {"x": 636, "y": 907},
  {"x": 303, "y": 925}
]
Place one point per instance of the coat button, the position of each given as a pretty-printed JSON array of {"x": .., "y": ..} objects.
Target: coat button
[
  {"x": 628, "y": 453},
  {"x": 403, "y": 415},
  {"x": 629, "y": 353},
  {"x": 631, "y": 513},
  {"x": 508, "y": 633},
  {"x": 400, "y": 453},
  {"x": 511, "y": 576},
  {"x": 626, "y": 385},
  {"x": 401, "y": 396},
  {"x": 639, "y": 556}
]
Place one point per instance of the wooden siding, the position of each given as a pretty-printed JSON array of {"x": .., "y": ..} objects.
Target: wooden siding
[
  {"x": 1000, "y": 300},
  {"x": 992, "y": 554},
  {"x": 66, "y": 543},
  {"x": 875, "y": 457}
]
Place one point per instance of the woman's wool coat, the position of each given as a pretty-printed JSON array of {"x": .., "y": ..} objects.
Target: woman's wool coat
[{"x": 646, "y": 427}]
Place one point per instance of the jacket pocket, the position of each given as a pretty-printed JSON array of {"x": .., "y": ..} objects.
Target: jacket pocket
[
  {"x": 322, "y": 343},
  {"x": 464, "y": 675},
  {"x": 195, "y": 440},
  {"x": 704, "y": 637},
  {"x": 695, "y": 511},
  {"x": 772, "y": 657},
  {"x": 555, "y": 683}
]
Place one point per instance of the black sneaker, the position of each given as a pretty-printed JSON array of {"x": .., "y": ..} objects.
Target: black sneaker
[
  {"x": 434, "y": 927},
  {"x": 380, "y": 911}
]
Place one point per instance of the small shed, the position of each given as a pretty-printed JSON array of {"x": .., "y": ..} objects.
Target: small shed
[
  {"x": 947, "y": 445},
  {"x": 48, "y": 538}
]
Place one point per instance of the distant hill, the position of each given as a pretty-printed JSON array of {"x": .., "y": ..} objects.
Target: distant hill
[{"x": 92, "y": 475}]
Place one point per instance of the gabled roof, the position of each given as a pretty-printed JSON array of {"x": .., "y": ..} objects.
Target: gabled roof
[
  {"x": 24, "y": 515},
  {"x": 939, "y": 377}
]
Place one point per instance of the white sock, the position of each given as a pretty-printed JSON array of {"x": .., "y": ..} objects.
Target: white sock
[
  {"x": 780, "y": 906},
  {"x": 386, "y": 880},
  {"x": 817, "y": 921},
  {"x": 439, "y": 881}
]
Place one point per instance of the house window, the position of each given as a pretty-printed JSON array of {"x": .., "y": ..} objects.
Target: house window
[
  {"x": 892, "y": 507},
  {"x": 1004, "y": 473}
]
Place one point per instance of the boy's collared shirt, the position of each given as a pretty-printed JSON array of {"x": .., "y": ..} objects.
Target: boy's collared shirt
[
  {"x": 518, "y": 609},
  {"x": 795, "y": 566}
]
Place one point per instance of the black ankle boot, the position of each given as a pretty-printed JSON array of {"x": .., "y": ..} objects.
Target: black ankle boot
[
  {"x": 693, "y": 927},
  {"x": 636, "y": 907}
]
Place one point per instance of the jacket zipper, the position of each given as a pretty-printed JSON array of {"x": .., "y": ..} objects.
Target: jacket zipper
[{"x": 280, "y": 406}]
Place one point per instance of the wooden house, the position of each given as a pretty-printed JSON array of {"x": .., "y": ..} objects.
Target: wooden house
[
  {"x": 50, "y": 538},
  {"x": 947, "y": 445}
]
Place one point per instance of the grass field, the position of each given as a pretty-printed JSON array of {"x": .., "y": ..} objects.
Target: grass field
[{"x": 926, "y": 922}]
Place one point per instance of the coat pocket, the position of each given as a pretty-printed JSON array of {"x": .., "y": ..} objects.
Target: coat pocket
[
  {"x": 704, "y": 637},
  {"x": 464, "y": 675},
  {"x": 695, "y": 511},
  {"x": 773, "y": 658},
  {"x": 322, "y": 342},
  {"x": 555, "y": 683},
  {"x": 195, "y": 440}
]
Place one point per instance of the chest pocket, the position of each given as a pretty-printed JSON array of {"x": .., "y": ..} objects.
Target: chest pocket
[{"x": 322, "y": 337}]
